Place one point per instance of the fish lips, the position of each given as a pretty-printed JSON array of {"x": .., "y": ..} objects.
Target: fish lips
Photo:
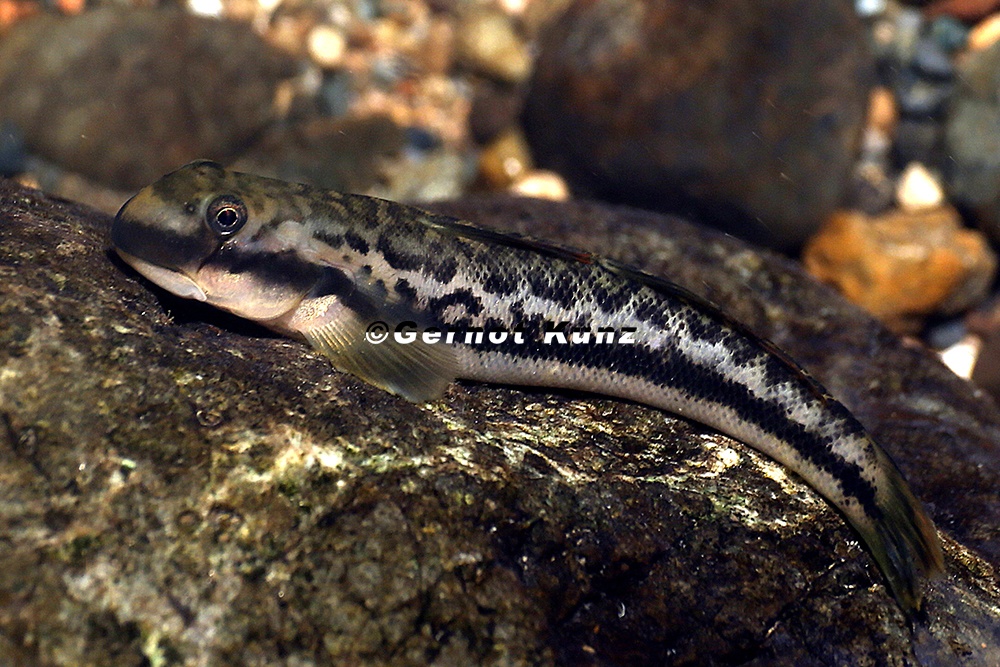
[
  {"x": 173, "y": 281},
  {"x": 160, "y": 253}
]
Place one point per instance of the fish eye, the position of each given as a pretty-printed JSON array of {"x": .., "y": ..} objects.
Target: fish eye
[{"x": 226, "y": 215}]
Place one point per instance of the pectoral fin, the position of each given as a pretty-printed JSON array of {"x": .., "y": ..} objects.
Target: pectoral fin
[
  {"x": 337, "y": 320},
  {"x": 416, "y": 371}
]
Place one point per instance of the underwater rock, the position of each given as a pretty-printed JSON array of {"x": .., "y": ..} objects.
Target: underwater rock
[
  {"x": 179, "y": 487},
  {"x": 903, "y": 266},
  {"x": 716, "y": 108},
  {"x": 973, "y": 144},
  {"x": 123, "y": 96}
]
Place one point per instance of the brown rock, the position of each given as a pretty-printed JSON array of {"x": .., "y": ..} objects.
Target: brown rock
[
  {"x": 903, "y": 266},
  {"x": 505, "y": 160},
  {"x": 180, "y": 488},
  {"x": 487, "y": 43},
  {"x": 346, "y": 154},
  {"x": 747, "y": 113},
  {"x": 125, "y": 96}
]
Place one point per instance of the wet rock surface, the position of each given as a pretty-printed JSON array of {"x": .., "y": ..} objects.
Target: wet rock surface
[
  {"x": 124, "y": 96},
  {"x": 179, "y": 487},
  {"x": 711, "y": 107}
]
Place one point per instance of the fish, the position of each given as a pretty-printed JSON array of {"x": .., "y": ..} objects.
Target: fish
[{"x": 410, "y": 301}]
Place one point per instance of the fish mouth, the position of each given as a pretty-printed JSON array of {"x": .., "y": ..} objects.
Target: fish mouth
[{"x": 173, "y": 281}]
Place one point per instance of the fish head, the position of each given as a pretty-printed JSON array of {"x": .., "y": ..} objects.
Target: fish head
[{"x": 205, "y": 233}]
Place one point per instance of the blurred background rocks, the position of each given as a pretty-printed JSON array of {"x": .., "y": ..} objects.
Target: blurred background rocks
[
  {"x": 122, "y": 96},
  {"x": 716, "y": 110},
  {"x": 862, "y": 131}
]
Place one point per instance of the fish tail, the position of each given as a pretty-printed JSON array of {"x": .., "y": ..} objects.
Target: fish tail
[{"x": 903, "y": 541}]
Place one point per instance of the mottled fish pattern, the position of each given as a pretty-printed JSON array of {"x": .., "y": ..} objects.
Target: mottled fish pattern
[{"x": 324, "y": 266}]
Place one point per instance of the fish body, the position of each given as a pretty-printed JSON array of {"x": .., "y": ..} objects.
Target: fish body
[{"x": 344, "y": 271}]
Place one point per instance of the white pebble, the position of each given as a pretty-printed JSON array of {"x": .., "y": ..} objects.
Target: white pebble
[
  {"x": 326, "y": 46},
  {"x": 918, "y": 189},
  {"x": 206, "y": 7},
  {"x": 541, "y": 184}
]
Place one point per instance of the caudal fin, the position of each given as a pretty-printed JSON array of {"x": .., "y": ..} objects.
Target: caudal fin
[{"x": 903, "y": 540}]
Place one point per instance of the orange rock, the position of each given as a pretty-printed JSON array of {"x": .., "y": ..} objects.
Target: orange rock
[
  {"x": 903, "y": 266},
  {"x": 71, "y": 7},
  {"x": 12, "y": 11},
  {"x": 883, "y": 113},
  {"x": 965, "y": 10}
]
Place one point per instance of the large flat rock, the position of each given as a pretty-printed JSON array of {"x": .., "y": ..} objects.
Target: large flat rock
[{"x": 178, "y": 487}]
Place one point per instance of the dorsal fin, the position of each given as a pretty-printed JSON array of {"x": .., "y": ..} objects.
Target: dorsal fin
[{"x": 467, "y": 230}]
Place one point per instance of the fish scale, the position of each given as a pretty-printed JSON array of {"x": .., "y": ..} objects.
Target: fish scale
[{"x": 324, "y": 267}]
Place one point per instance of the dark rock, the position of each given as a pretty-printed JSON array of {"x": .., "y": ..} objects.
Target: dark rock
[
  {"x": 344, "y": 154},
  {"x": 179, "y": 488},
  {"x": 716, "y": 108},
  {"x": 495, "y": 108},
  {"x": 13, "y": 155},
  {"x": 917, "y": 140},
  {"x": 125, "y": 96},
  {"x": 972, "y": 139}
]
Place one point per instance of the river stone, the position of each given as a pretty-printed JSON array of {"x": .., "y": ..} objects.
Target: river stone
[
  {"x": 178, "y": 487},
  {"x": 717, "y": 108},
  {"x": 123, "y": 96},
  {"x": 973, "y": 143}
]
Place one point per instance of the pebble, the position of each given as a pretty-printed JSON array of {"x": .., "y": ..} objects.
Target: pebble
[
  {"x": 871, "y": 188},
  {"x": 506, "y": 160},
  {"x": 918, "y": 189},
  {"x": 985, "y": 33},
  {"x": 487, "y": 43},
  {"x": 902, "y": 266},
  {"x": 965, "y": 10},
  {"x": 420, "y": 139},
  {"x": 904, "y": 31},
  {"x": 438, "y": 175},
  {"x": 870, "y": 8},
  {"x": 542, "y": 184},
  {"x": 883, "y": 113},
  {"x": 12, "y": 11},
  {"x": 336, "y": 93},
  {"x": 962, "y": 357},
  {"x": 326, "y": 46}
]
